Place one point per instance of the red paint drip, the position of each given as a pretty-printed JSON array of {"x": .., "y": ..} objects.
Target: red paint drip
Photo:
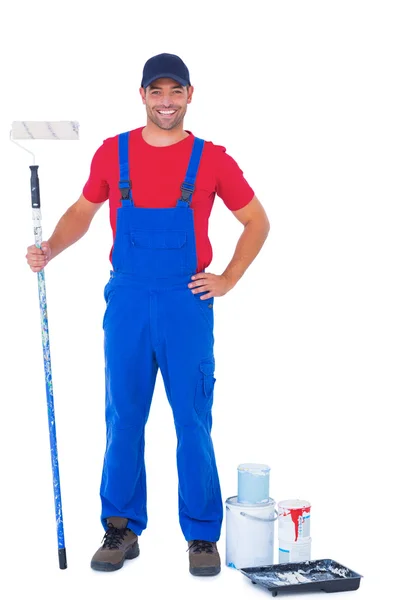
[{"x": 296, "y": 514}]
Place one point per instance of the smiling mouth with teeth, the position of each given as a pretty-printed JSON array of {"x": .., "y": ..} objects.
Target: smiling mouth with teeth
[{"x": 166, "y": 113}]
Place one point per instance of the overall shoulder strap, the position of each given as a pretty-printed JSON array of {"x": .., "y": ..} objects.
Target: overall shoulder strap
[
  {"x": 188, "y": 186},
  {"x": 125, "y": 184}
]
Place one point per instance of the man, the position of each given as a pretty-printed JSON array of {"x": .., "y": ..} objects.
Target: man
[{"x": 161, "y": 181}]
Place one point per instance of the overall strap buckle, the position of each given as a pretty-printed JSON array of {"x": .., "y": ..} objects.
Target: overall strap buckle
[
  {"x": 187, "y": 190},
  {"x": 125, "y": 185}
]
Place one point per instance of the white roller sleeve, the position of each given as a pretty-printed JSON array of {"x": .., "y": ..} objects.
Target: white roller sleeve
[{"x": 45, "y": 130}]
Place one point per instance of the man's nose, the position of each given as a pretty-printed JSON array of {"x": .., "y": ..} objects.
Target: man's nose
[{"x": 166, "y": 101}]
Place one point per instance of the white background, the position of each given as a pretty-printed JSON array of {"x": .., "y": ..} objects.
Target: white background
[{"x": 305, "y": 96}]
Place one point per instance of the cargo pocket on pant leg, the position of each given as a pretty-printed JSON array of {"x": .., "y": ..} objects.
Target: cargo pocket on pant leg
[{"x": 205, "y": 387}]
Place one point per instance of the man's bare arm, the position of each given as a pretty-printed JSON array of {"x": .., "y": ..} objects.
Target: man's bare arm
[
  {"x": 256, "y": 228},
  {"x": 71, "y": 227}
]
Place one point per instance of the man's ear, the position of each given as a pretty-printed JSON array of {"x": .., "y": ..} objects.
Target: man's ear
[{"x": 190, "y": 93}]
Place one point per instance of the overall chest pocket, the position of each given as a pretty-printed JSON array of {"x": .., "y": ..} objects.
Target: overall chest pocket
[
  {"x": 158, "y": 253},
  {"x": 158, "y": 240}
]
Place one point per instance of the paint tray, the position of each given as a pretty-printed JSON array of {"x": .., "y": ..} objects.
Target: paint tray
[{"x": 309, "y": 576}]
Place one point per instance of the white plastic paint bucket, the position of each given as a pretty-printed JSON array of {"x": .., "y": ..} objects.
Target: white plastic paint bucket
[
  {"x": 293, "y": 520},
  {"x": 253, "y": 483},
  {"x": 249, "y": 533},
  {"x": 294, "y": 551}
]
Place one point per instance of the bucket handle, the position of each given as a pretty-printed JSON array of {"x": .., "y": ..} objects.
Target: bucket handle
[
  {"x": 243, "y": 514},
  {"x": 252, "y": 517}
]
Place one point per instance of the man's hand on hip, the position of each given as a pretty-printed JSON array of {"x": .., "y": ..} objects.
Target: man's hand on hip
[{"x": 210, "y": 285}]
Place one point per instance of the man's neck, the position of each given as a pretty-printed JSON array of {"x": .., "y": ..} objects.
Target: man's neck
[{"x": 155, "y": 136}]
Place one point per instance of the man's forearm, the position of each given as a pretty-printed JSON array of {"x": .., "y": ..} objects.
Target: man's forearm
[
  {"x": 70, "y": 228},
  {"x": 249, "y": 245}
]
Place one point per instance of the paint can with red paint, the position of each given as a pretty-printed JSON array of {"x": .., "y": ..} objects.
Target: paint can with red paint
[{"x": 293, "y": 520}]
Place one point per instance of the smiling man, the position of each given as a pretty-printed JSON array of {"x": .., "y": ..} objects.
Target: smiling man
[
  {"x": 173, "y": 109},
  {"x": 161, "y": 181}
]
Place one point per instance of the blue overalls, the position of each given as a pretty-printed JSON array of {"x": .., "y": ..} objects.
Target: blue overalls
[{"x": 153, "y": 320}]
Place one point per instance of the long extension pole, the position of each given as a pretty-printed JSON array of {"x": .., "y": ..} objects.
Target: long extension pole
[
  {"x": 46, "y": 130},
  {"x": 37, "y": 230}
]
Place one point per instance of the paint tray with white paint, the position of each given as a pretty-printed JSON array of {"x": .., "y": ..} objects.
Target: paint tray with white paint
[{"x": 309, "y": 576}]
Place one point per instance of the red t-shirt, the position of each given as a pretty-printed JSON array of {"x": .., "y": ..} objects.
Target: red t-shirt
[{"x": 157, "y": 174}]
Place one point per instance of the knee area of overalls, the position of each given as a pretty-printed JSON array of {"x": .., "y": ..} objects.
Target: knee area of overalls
[{"x": 126, "y": 419}]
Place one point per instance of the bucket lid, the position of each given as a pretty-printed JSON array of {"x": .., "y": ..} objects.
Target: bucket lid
[
  {"x": 233, "y": 501},
  {"x": 294, "y": 503},
  {"x": 256, "y": 468}
]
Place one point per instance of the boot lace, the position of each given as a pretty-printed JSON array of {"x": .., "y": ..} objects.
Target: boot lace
[
  {"x": 113, "y": 537},
  {"x": 201, "y": 546}
]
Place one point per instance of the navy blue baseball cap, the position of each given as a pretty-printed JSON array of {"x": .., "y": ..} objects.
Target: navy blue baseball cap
[{"x": 165, "y": 65}]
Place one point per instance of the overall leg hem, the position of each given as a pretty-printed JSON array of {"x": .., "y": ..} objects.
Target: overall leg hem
[
  {"x": 132, "y": 525},
  {"x": 208, "y": 532}
]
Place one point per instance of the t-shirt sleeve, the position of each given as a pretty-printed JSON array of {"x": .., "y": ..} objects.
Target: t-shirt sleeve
[
  {"x": 231, "y": 185},
  {"x": 96, "y": 189}
]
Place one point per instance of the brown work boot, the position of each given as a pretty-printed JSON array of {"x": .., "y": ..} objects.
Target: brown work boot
[
  {"x": 204, "y": 558},
  {"x": 119, "y": 543}
]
